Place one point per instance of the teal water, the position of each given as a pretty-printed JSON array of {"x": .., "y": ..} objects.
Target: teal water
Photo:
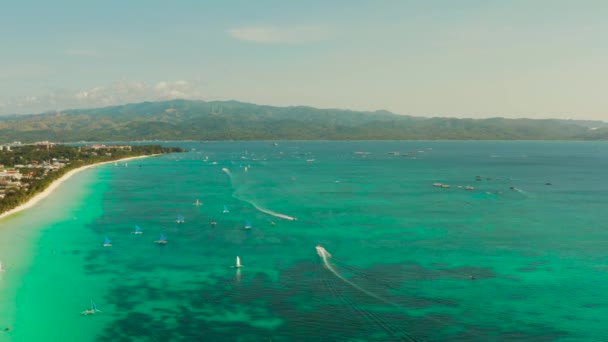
[{"x": 409, "y": 261}]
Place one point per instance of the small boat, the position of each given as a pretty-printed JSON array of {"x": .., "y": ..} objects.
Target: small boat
[
  {"x": 161, "y": 240},
  {"x": 198, "y": 203},
  {"x": 445, "y": 186},
  {"x": 437, "y": 185},
  {"x": 180, "y": 219},
  {"x": 247, "y": 225},
  {"x": 92, "y": 310},
  {"x": 107, "y": 242},
  {"x": 225, "y": 211},
  {"x": 1, "y": 268},
  {"x": 469, "y": 187},
  {"x": 213, "y": 223},
  {"x": 238, "y": 263},
  {"x": 137, "y": 230}
]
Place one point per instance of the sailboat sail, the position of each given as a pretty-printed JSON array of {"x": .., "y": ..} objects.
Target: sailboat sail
[
  {"x": 92, "y": 310},
  {"x": 161, "y": 240},
  {"x": 180, "y": 219},
  {"x": 94, "y": 307},
  {"x": 238, "y": 262},
  {"x": 107, "y": 242}
]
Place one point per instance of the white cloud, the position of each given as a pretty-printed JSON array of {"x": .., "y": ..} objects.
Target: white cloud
[
  {"x": 281, "y": 35},
  {"x": 114, "y": 94}
]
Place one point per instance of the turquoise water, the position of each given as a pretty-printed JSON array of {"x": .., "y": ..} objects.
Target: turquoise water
[{"x": 409, "y": 261}]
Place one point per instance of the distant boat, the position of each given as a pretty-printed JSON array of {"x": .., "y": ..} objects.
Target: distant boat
[
  {"x": 161, "y": 240},
  {"x": 197, "y": 203},
  {"x": 107, "y": 242},
  {"x": 238, "y": 263},
  {"x": 247, "y": 225},
  {"x": 225, "y": 210},
  {"x": 180, "y": 219},
  {"x": 1, "y": 268},
  {"x": 92, "y": 310},
  {"x": 137, "y": 230}
]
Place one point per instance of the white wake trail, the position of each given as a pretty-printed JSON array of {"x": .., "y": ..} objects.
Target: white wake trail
[
  {"x": 270, "y": 212},
  {"x": 257, "y": 207},
  {"x": 324, "y": 254}
]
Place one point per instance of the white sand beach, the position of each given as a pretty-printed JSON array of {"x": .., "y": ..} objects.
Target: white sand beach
[{"x": 58, "y": 182}]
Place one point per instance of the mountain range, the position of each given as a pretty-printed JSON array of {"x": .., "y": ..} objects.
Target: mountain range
[{"x": 233, "y": 120}]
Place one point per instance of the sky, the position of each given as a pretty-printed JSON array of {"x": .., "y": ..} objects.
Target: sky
[{"x": 452, "y": 58}]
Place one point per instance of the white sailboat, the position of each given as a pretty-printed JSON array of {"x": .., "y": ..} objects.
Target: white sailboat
[
  {"x": 93, "y": 310},
  {"x": 238, "y": 263},
  {"x": 198, "y": 203}
]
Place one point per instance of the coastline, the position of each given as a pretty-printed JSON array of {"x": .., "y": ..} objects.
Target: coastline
[{"x": 40, "y": 196}]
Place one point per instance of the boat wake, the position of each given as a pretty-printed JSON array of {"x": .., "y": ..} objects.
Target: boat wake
[
  {"x": 524, "y": 192},
  {"x": 324, "y": 254},
  {"x": 269, "y": 212},
  {"x": 393, "y": 330},
  {"x": 255, "y": 205}
]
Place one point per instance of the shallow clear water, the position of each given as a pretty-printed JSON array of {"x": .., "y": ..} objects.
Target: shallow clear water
[{"x": 409, "y": 261}]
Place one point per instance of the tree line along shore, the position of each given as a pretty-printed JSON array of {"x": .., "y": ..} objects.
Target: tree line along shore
[{"x": 26, "y": 170}]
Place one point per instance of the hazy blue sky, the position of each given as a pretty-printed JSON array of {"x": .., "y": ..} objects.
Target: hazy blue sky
[{"x": 430, "y": 58}]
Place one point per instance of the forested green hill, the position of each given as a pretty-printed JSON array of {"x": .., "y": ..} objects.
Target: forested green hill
[{"x": 232, "y": 120}]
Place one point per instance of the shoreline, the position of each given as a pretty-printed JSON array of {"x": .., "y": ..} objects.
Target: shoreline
[{"x": 55, "y": 184}]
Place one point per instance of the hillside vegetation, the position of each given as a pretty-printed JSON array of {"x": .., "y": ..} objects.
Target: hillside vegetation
[{"x": 232, "y": 120}]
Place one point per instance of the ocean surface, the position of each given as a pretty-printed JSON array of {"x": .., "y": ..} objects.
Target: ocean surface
[{"x": 521, "y": 257}]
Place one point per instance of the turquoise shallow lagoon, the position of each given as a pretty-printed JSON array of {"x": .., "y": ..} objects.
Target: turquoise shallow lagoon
[{"x": 515, "y": 259}]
